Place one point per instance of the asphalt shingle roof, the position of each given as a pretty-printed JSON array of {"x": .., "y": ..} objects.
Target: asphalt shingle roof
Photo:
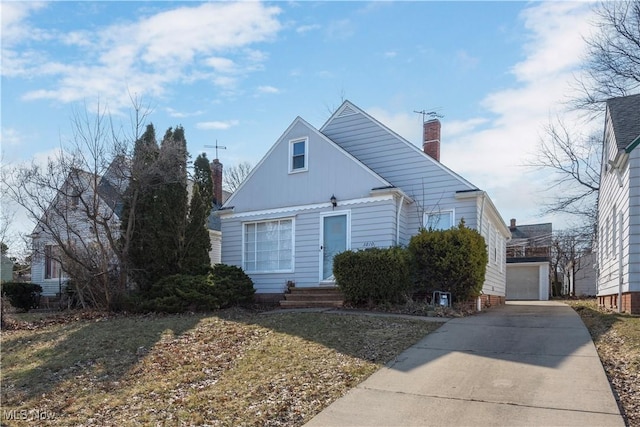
[{"x": 625, "y": 117}]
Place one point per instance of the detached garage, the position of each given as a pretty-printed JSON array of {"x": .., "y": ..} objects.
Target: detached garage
[
  {"x": 528, "y": 281},
  {"x": 528, "y": 255}
]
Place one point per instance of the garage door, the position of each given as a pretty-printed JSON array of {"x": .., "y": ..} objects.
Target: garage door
[{"x": 523, "y": 283}]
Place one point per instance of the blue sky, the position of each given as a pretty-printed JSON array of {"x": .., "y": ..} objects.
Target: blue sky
[{"x": 240, "y": 73}]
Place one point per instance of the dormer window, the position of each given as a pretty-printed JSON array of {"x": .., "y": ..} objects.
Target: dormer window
[{"x": 298, "y": 155}]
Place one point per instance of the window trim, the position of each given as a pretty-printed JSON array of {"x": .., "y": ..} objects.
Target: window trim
[
  {"x": 292, "y": 142},
  {"x": 452, "y": 216},
  {"x": 293, "y": 239}
]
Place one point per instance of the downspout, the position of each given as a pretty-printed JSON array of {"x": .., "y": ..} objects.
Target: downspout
[
  {"x": 479, "y": 301},
  {"x": 481, "y": 214},
  {"x": 398, "y": 212}
]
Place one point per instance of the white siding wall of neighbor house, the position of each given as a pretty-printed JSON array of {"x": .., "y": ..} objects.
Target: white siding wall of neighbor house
[
  {"x": 617, "y": 201},
  {"x": 215, "y": 254},
  {"x": 634, "y": 221}
]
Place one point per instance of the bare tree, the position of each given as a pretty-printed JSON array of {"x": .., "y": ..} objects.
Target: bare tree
[
  {"x": 567, "y": 249},
  {"x": 235, "y": 175},
  {"x": 612, "y": 68},
  {"x": 613, "y": 57},
  {"x": 75, "y": 200},
  {"x": 574, "y": 161}
]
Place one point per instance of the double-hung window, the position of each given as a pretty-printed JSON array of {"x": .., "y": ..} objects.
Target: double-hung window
[
  {"x": 52, "y": 267},
  {"x": 442, "y": 220},
  {"x": 268, "y": 246},
  {"x": 298, "y": 155}
]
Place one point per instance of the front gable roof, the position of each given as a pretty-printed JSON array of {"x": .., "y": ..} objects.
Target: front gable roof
[
  {"x": 270, "y": 184},
  {"x": 624, "y": 113}
]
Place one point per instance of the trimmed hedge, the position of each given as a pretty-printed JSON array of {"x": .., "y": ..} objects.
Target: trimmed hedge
[
  {"x": 24, "y": 296},
  {"x": 224, "y": 287},
  {"x": 373, "y": 276},
  {"x": 452, "y": 260}
]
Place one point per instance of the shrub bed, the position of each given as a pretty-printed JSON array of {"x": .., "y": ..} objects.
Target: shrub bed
[
  {"x": 24, "y": 296},
  {"x": 452, "y": 260},
  {"x": 373, "y": 276},
  {"x": 225, "y": 286}
]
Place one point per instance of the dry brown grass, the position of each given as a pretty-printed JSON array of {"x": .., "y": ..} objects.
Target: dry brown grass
[
  {"x": 617, "y": 338},
  {"x": 229, "y": 368}
]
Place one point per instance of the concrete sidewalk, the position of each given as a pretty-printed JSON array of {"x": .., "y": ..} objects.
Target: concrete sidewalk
[{"x": 523, "y": 364}]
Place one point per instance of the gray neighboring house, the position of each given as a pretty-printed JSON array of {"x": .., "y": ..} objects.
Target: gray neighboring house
[
  {"x": 528, "y": 261},
  {"x": 6, "y": 269},
  {"x": 619, "y": 207},
  {"x": 352, "y": 184}
]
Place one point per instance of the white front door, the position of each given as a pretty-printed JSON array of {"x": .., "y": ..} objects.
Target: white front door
[{"x": 334, "y": 230}]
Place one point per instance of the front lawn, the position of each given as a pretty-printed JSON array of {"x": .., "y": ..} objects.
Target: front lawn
[
  {"x": 230, "y": 368},
  {"x": 617, "y": 338}
]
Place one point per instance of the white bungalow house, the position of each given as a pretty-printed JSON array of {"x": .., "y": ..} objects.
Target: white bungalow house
[
  {"x": 352, "y": 184},
  {"x": 619, "y": 207},
  {"x": 67, "y": 222}
]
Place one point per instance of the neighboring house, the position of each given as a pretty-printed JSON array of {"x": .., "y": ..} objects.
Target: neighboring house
[
  {"x": 6, "y": 269},
  {"x": 528, "y": 260},
  {"x": 580, "y": 276},
  {"x": 619, "y": 207},
  {"x": 352, "y": 184},
  {"x": 66, "y": 220}
]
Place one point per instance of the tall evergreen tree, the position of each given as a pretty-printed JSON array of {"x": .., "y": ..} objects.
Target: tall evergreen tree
[
  {"x": 139, "y": 213},
  {"x": 197, "y": 242},
  {"x": 172, "y": 201}
]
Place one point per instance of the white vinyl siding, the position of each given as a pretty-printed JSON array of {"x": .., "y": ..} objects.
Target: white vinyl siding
[{"x": 268, "y": 246}]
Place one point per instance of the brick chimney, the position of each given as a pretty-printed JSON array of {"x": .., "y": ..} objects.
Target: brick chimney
[
  {"x": 216, "y": 175},
  {"x": 431, "y": 139}
]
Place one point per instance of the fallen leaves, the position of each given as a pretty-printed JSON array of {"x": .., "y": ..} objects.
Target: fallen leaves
[{"x": 231, "y": 368}]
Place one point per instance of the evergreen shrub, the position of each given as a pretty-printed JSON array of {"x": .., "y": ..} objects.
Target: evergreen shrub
[
  {"x": 373, "y": 276},
  {"x": 224, "y": 287},
  {"x": 452, "y": 260},
  {"x": 24, "y": 296}
]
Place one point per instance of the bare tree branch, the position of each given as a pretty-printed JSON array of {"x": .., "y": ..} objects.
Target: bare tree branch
[{"x": 235, "y": 175}]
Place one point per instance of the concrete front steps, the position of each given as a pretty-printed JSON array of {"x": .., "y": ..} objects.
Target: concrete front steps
[{"x": 319, "y": 296}]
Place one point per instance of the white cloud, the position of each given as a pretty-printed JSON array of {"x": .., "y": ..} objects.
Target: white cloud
[
  {"x": 221, "y": 65},
  {"x": 180, "y": 114},
  {"x": 147, "y": 55},
  {"x": 217, "y": 125},
  {"x": 268, "y": 89},
  {"x": 492, "y": 151},
  {"x": 306, "y": 28},
  {"x": 10, "y": 137}
]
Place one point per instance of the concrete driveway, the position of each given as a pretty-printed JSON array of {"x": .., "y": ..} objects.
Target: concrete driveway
[{"x": 522, "y": 364}]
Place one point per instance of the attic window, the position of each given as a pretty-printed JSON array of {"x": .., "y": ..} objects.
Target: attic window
[{"x": 298, "y": 150}]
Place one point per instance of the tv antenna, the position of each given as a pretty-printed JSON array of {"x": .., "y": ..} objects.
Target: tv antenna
[
  {"x": 430, "y": 114},
  {"x": 221, "y": 147}
]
